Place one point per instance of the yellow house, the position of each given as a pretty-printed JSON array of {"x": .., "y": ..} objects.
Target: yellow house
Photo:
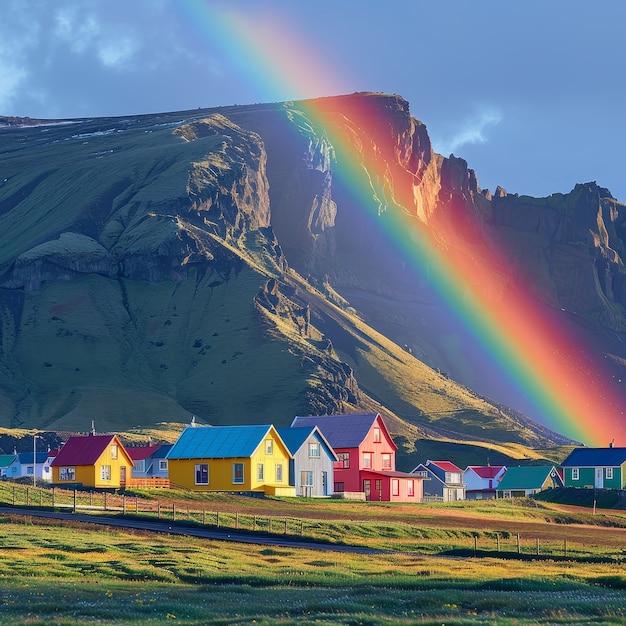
[
  {"x": 231, "y": 458},
  {"x": 98, "y": 461}
]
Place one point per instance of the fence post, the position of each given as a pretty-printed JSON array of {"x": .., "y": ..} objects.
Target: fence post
[
  {"x": 475, "y": 544},
  {"x": 217, "y": 519},
  {"x": 518, "y": 548},
  {"x": 285, "y": 526},
  {"x": 123, "y": 504},
  {"x": 203, "y": 517},
  {"x": 537, "y": 541},
  {"x": 13, "y": 495},
  {"x": 564, "y": 547},
  {"x": 237, "y": 520},
  {"x": 173, "y": 512},
  {"x": 301, "y": 528},
  {"x": 27, "y": 496},
  {"x": 497, "y": 542},
  {"x": 105, "y": 501},
  {"x": 136, "y": 504},
  {"x": 75, "y": 493},
  {"x": 158, "y": 509},
  {"x": 53, "y": 497},
  {"x": 254, "y": 523},
  {"x": 90, "y": 498},
  {"x": 269, "y": 524}
]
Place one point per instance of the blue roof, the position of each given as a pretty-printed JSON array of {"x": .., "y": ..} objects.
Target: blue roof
[
  {"x": 26, "y": 458},
  {"x": 218, "y": 442},
  {"x": 595, "y": 457},
  {"x": 295, "y": 437},
  {"x": 161, "y": 453},
  {"x": 341, "y": 431}
]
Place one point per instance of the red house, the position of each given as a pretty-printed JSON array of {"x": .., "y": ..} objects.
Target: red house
[{"x": 367, "y": 457}]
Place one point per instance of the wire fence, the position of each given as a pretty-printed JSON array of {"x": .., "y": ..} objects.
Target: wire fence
[{"x": 397, "y": 535}]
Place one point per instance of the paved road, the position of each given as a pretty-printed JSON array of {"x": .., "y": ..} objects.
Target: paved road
[{"x": 189, "y": 531}]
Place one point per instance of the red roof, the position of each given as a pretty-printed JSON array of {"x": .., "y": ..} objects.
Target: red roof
[
  {"x": 83, "y": 450},
  {"x": 447, "y": 466},
  {"x": 140, "y": 453},
  {"x": 486, "y": 471}
]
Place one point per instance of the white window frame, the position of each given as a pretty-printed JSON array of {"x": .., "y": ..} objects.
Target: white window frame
[
  {"x": 260, "y": 471},
  {"x": 368, "y": 460},
  {"x": 279, "y": 472},
  {"x": 306, "y": 478},
  {"x": 575, "y": 473},
  {"x": 114, "y": 451},
  {"x": 105, "y": 472},
  {"x": 67, "y": 473},
  {"x": 198, "y": 470},
  {"x": 608, "y": 473},
  {"x": 163, "y": 465},
  {"x": 314, "y": 450},
  {"x": 269, "y": 446},
  {"x": 242, "y": 480},
  {"x": 378, "y": 437}
]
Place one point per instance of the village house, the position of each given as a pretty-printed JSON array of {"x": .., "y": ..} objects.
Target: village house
[
  {"x": 5, "y": 461},
  {"x": 251, "y": 459},
  {"x": 311, "y": 468},
  {"x": 366, "y": 458},
  {"x": 527, "y": 480},
  {"x": 98, "y": 461},
  {"x": 22, "y": 466},
  {"x": 481, "y": 481},
  {"x": 601, "y": 468},
  {"x": 445, "y": 480},
  {"x": 148, "y": 463}
]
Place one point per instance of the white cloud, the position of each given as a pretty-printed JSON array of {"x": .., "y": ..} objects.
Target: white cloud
[
  {"x": 472, "y": 130},
  {"x": 115, "y": 53}
]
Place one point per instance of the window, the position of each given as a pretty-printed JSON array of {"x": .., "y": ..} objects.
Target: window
[
  {"x": 140, "y": 466},
  {"x": 237, "y": 473},
  {"x": 395, "y": 487},
  {"x": 368, "y": 460},
  {"x": 30, "y": 470},
  {"x": 386, "y": 457},
  {"x": 609, "y": 472},
  {"x": 259, "y": 471},
  {"x": 306, "y": 478},
  {"x": 575, "y": 473},
  {"x": 163, "y": 465},
  {"x": 279, "y": 473},
  {"x": 379, "y": 485},
  {"x": 269, "y": 446},
  {"x": 67, "y": 473},
  {"x": 105, "y": 472},
  {"x": 377, "y": 436},
  {"x": 339, "y": 487},
  {"x": 314, "y": 450},
  {"x": 343, "y": 460},
  {"x": 114, "y": 451},
  {"x": 409, "y": 488},
  {"x": 202, "y": 474}
]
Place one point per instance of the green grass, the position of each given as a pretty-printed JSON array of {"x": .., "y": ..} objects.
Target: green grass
[{"x": 83, "y": 575}]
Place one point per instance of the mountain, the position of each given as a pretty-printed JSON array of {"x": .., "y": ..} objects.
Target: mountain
[{"x": 235, "y": 264}]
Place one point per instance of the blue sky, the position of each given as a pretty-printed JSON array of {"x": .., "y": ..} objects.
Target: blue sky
[{"x": 532, "y": 94}]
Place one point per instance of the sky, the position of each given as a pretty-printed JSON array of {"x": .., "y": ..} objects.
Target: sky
[{"x": 531, "y": 94}]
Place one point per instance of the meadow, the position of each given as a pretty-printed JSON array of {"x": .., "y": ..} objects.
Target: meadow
[{"x": 437, "y": 564}]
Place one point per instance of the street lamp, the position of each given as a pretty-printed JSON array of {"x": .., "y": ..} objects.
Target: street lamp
[{"x": 35, "y": 437}]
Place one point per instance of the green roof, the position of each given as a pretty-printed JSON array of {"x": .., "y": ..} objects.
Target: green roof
[
  {"x": 526, "y": 477},
  {"x": 6, "y": 459}
]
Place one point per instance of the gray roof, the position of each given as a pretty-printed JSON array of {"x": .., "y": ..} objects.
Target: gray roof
[
  {"x": 341, "y": 431},
  {"x": 218, "y": 442},
  {"x": 595, "y": 457}
]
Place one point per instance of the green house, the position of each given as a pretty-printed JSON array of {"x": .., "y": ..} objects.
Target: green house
[
  {"x": 601, "y": 468},
  {"x": 519, "y": 482}
]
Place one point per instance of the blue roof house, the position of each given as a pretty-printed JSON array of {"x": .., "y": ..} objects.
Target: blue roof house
[
  {"x": 601, "y": 468},
  {"x": 247, "y": 459},
  {"x": 311, "y": 469}
]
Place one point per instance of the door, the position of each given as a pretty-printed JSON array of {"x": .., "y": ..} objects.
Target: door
[
  {"x": 599, "y": 478},
  {"x": 367, "y": 488},
  {"x": 123, "y": 475},
  {"x": 325, "y": 483}
]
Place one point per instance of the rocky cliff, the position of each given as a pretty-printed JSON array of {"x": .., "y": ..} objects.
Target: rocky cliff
[{"x": 232, "y": 264}]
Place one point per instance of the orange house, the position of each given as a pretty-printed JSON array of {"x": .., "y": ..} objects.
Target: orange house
[{"x": 98, "y": 461}]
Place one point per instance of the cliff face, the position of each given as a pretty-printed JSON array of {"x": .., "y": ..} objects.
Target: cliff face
[{"x": 233, "y": 264}]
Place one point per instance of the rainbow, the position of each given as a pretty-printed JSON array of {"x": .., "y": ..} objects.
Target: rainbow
[{"x": 568, "y": 390}]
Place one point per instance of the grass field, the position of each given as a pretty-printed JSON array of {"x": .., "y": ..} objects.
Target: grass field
[{"x": 71, "y": 573}]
